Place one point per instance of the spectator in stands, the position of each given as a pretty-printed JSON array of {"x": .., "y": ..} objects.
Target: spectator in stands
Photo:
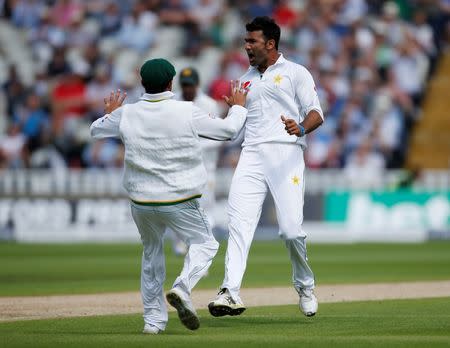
[
  {"x": 12, "y": 148},
  {"x": 258, "y": 8},
  {"x": 32, "y": 120},
  {"x": 65, "y": 12},
  {"x": 357, "y": 51},
  {"x": 14, "y": 91},
  {"x": 69, "y": 95},
  {"x": 388, "y": 126},
  {"x": 58, "y": 65},
  {"x": 174, "y": 12},
  {"x": 77, "y": 35},
  {"x": 137, "y": 29},
  {"x": 96, "y": 89},
  {"x": 27, "y": 13},
  {"x": 110, "y": 20},
  {"x": 413, "y": 64},
  {"x": 285, "y": 14},
  {"x": 423, "y": 33},
  {"x": 47, "y": 42},
  {"x": 205, "y": 13},
  {"x": 47, "y": 156},
  {"x": 92, "y": 56},
  {"x": 69, "y": 107},
  {"x": 365, "y": 165}
]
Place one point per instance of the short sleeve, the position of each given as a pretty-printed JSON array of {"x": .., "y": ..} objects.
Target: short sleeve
[{"x": 306, "y": 92}]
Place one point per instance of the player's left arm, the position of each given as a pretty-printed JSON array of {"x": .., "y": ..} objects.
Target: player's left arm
[
  {"x": 108, "y": 125},
  {"x": 310, "y": 104},
  {"x": 312, "y": 121}
]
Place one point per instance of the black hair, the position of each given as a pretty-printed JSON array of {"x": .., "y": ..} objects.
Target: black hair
[
  {"x": 270, "y": 29},
  {"x": 153, "y": 89}
]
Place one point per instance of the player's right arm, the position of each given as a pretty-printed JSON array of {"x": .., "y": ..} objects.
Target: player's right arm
[
  {"x": 108, "y": 125},
  {"x": 229, "y": 127}
]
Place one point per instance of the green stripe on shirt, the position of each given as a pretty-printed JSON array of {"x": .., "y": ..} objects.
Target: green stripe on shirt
[{"x": 153, "y": 203}]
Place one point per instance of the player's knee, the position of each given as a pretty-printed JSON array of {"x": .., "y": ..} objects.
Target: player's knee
[{"x": 212, "y": 245}]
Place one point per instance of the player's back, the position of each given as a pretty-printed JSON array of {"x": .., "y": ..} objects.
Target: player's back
[{"x": 162, "y": 153}]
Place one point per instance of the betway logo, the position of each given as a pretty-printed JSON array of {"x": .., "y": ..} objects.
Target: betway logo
[{"x": 363, "y": 212}]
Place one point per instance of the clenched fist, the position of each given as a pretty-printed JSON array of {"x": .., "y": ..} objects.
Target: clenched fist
[{"x": 292, "y": 127}]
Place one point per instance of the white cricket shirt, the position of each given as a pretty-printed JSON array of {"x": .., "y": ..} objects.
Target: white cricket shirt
[
  {"x": 163, "y": 162},
  {"x": 285, "y": 88}
]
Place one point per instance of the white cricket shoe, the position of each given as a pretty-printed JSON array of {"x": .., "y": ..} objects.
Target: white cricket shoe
[
  {"x": 183, "y": 304},
  {"x": 308, "y": 302},
  {"x": 224, "y": 304},
  {"x": 151, "y": 329}
]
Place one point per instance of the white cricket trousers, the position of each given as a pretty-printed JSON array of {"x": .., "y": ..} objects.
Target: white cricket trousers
[
  {"x": 278, "y": 168},
  {"x": 190, "y": 224}
]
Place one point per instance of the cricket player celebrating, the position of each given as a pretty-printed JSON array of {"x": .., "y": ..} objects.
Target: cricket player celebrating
[
  {"x": 164, "y": 177},
  {"x": 190, "y": 91},
  {"x": 282, "y": 106}
]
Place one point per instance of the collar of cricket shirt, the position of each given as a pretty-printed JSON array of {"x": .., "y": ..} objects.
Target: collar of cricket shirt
[
  {"x": 280, "y": 60},
  {"x": 157, "y": 97}
]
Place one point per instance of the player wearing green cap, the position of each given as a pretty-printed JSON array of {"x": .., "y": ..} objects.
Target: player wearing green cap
[{"x": 164, "y": 177}]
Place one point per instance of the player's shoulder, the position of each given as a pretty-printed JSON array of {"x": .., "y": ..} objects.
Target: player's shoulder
[{"x": 296, "y": 67}]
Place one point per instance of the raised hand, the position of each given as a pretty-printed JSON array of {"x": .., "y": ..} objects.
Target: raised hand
[
  {"x": 114, "y": 101},
  {"x": 238, "y": 94}
]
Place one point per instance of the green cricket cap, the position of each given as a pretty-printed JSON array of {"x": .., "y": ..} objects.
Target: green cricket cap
[{"x": 157, "y": 72}]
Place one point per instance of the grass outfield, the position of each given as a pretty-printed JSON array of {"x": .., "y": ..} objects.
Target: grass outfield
[
  {"x": 36, "y": 269},
  {"x": 402, "y": 323}
]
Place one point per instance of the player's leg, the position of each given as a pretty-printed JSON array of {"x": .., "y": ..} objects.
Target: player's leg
[
  {"x": 247, "y": 192},
  {"x": 208, "y": 199},
  {"x": 153, "y": 271},
  {"x": 179, "y": 247},
  {"x": 302, "y": 275},
  {"x": 287, "y": 186},
  {"x": 190, "y": 224}
]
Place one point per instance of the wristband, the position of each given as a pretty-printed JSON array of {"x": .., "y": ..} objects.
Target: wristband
[{"x": 302, "y": 130}]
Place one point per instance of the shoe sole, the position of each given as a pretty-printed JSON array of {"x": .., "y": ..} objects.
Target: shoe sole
[
  {"x": 188, "y": 318},
  {"x": 220, "y": 310}
]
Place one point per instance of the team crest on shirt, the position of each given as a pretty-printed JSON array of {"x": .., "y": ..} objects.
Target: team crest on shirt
[
  {"x": 295, "y": 180},
  {"x": 277, "y": 79},
  {"x": 246, "y": 85}
]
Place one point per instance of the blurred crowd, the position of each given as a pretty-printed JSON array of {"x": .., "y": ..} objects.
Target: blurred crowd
[{"x": 371, "y": 61}]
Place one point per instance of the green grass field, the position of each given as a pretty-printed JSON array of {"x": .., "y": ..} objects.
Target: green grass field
[
  {"x": 35, "y": 269},
  {"x": 406, "y": 323},
  {"x": 78, "y": 268}
]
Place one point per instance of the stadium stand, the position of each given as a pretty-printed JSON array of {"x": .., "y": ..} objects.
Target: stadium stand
[
  {"x": 372, "y": 61},
  {"x": 430, "y": 142}
]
